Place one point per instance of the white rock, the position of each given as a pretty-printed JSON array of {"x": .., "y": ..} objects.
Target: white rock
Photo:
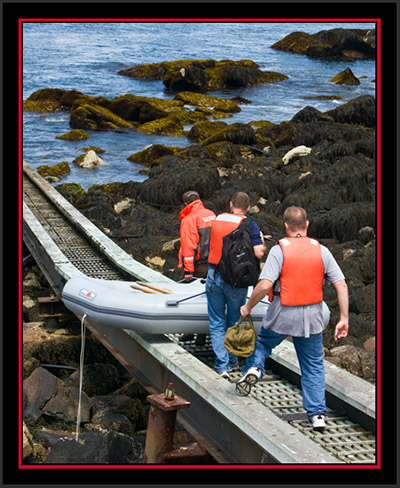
[{"x": 91, "y": 160}]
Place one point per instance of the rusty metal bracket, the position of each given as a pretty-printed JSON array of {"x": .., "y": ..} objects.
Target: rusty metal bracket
[{"x": 161, "y": 425}]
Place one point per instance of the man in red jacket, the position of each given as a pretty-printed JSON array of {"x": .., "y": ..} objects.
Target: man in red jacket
[{"x": 195, "y": 231}]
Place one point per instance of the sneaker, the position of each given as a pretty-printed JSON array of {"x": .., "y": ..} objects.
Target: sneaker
[
  {"x": 243, "y": 386},
  {"x": 318, "y": 422},
  {"x": 234, "y": 367},
  {"x": 224, "y": 374}
]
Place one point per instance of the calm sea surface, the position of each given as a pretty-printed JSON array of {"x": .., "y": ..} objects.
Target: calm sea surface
[{"x": 87, "y": 57}]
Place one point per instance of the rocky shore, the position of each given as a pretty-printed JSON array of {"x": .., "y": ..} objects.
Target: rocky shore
[{"x": 322, "y": 161}]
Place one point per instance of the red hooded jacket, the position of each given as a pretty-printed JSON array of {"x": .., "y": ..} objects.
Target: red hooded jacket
[{"x": 196, "y": 224}]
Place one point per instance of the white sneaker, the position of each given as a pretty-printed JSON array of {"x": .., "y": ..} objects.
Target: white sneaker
[
  {"x": 243, "y": 386},
  {"x": 224, "y": 374},
  {"x": 318, "y": 422}
]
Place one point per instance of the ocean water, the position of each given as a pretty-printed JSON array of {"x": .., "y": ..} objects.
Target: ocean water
[{"x": 87, "y": 56}]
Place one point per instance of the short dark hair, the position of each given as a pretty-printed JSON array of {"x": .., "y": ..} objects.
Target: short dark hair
[
  {"x": 241, "y": 200},
  {"x": 190, "y": 196}
]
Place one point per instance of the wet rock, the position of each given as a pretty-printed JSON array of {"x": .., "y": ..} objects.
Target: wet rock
[
  {"x": 54, "y": 170},
  {"x": 360, "y": 110},
  {"x": 202, "y": 100},
  {"x": 345, "y": 77},
  {"x": 202, "y": 130},
  {"x": 105, "y": 447},
  {"x": 342, "y": 43},
  {"x": 237, "y": 133},
  {"x": 51, "y": 100},
  {"x": 139, "y": 109},
  {"x": 204, "y": 75},
  {"x": 89, "y": 115},
  {"x": 190, "y": 78},
  {"x": 74, "y": 135}
]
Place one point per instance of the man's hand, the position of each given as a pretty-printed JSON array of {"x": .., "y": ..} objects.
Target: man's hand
[
  {"x": 245, "y": 310},
  {"x": 341, "y": 329},
  {"x": 188, "y": 277}
]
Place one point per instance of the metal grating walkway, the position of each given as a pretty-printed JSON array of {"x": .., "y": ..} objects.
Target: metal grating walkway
[{"x": 343, "y": 438}]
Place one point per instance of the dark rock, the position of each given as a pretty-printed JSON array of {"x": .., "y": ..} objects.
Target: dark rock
[
  {"x": 167, "y": 183},
  {"x": 32, "y": 414},
  {"x": 343, "y": 221},
  {"x": 152, "y": 155},
  {"x": 237, "y": 133},
  {"x": 190, "y": 78},
  {"x": 51, "y": 100},
  {"x": 40, "y": 387},
  {"x": 104, "y": 447},
  {"x": 345, "y": 77},
  {"x": 92, "y": 116},
  {"x": 366, "y": 234},
  {"x": 360, "y": 110},
  {"x": 310, "y": 114},
  {"x": 98, "y": 379},
  {"x": 342, "y": 43},
  {"x": 74, "y": 135},
  {"x": 356, "y": 360},
  {"x": 64, "y": 405},
  {"x": 204, "y": 75}
]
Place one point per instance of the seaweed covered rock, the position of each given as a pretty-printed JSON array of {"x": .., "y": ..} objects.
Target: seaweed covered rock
[
  {"x": 237, "y": 133},
  {"x": 152, "y": 155},
  {"x": 202, "y": 100},
  {"x": 345, "y": 77},
  {"x": 360, "y": 110},
  {"x": 51, "y": 100},
  {"x": 92, "y": 116},
  {"x": 341, "y": 43},
  {"x": 74, "y": 135},
  {"x": 168, "y": 182},
  {"x": 54, "y": 170},
  {"x": 140, "y": 109},
  {"x": 204, "y": 75}
]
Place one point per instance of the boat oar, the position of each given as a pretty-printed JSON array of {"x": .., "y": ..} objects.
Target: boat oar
[
  {"x": 144, "y": 290},
  {"x": 157, "y": 288}
]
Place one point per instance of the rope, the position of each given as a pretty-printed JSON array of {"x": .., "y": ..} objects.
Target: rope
[{"x": 83, "y": 333}]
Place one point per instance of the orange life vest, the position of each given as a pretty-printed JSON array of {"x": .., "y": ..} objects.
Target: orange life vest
[
  {"x": 223, "y": 225},
  {"x": 302, "y": 274}
]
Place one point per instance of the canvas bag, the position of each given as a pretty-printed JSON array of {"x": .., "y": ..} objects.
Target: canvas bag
[{"x": 240, "y": 340}]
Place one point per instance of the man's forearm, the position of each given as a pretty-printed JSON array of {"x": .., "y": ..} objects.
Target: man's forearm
[{"x": 259, "y": 292}]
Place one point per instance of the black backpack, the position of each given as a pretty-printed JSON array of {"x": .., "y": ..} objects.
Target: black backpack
[{"x": 238, "y": 266}]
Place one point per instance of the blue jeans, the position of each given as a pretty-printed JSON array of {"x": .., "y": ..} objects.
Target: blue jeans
[
  {"x": 310, "y": 355},
  {"x": 223, "y": 303}
]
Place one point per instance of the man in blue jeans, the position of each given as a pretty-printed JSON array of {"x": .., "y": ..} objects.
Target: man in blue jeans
[
  {"x": 224, "y": 301},
  {"x": 293, "y": 277}
]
